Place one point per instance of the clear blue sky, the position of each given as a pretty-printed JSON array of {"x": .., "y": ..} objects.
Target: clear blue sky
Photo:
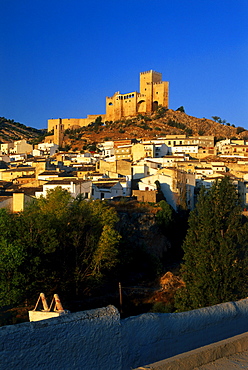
[{"x": 61, "y": 58}]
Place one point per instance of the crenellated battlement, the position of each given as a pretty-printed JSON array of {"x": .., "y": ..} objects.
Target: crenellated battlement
[
  {"x": 158, "y": 83},
  {"x": 151, "y": 71}
]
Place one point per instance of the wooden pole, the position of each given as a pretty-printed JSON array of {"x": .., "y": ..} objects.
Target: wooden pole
[{"x": 120, "y": 294}]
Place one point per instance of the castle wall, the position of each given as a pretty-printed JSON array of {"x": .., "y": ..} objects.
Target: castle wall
[
  {"x": 141, "y": 104},
  {"x": 121, "y": 105},
  {"x": 72, "y": 123},
  {"x": 99, "y": 339},
  {"x": 59, "y": 125}
]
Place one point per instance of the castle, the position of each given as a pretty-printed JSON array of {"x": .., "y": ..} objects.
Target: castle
[{"x": 153, "y": 92}]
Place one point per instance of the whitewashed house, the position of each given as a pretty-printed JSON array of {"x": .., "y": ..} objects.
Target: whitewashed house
[
  {"x": 74, "y": 186},
  {"x": 107, "y": 189}
]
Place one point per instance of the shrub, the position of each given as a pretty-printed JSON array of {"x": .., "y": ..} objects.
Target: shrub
[
  {"x": 188, "y": 131},
  {"x": 160, "y": 112},
  {"x": 240, "y": 129},
  {"x": 181, "y": 109},
  {"x": 161, "y": 307}
]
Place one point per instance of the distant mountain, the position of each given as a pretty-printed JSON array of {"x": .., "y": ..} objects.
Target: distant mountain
[
  {"x": 163, "y": 122},
  {"x": 11, "y": 131}
]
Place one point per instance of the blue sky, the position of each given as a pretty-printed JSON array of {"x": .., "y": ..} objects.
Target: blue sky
[{"x": 61, "y": 58}]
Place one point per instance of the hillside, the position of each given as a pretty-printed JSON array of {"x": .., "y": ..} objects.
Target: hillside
[
  {"x": 163, "y": 122},
  {"x": 11, "y": 131}
]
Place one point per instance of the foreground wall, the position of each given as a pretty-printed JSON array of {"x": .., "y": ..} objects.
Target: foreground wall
[{"x": 98, "y": 339}]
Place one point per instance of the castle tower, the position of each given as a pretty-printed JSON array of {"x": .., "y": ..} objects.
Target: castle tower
[
  {"x": 155, "y": 90},
  {"x": 58, "y": 132},
  {"x": 147, "y": 81}
]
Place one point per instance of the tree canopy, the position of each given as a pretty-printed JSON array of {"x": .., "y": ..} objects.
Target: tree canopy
[
  {"x": 215, "y": 250},
  {"x": 57, "y": 244}
]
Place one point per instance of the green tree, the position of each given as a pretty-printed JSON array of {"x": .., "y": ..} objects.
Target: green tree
[
  {"x": 12, "y": 255},
  {"x": 239, "y": 130},
  {"x": 166, "y": 217},
  {"x": 160, "y": 112},
  {"x": 173, "y": 225},
  {"x": 58, "y": 244},
  {"x": 181, "y": 109},
  {"x": 215, "y": 250},
  {"x": 216, "y": 118},
  {"x": 55, "y": 203},
  {"x": 94, "y": 242}
]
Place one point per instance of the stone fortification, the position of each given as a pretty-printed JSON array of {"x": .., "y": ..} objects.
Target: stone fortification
[{"x": 153, "y": 92}]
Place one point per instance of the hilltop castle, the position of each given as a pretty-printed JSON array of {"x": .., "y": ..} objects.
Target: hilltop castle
[{"x": 153, "y": 92}]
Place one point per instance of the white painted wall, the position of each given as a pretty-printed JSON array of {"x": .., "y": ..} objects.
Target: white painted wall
[{"x": 99, "y": 339}]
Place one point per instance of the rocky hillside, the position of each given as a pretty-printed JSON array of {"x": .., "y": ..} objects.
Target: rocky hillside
[
  {"x": 11, "y": 131},
  {"x": 163, "y": 122}
]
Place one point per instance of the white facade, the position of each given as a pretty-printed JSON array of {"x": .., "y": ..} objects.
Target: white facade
[
  {"x": 74, "y": 187},
  {"x": 5, "y": 147},
  {"x": 17, "y": 157},
  {"x": 190, "y": 149},
  {"x": 169, "y": 186},
  {"x": 48, "y": 148},
  {"x": 140, "y": 170},
  {"x": 84, "y": 158},
  {"x": 107, "y": 190},
  {"x": 21, "y": 146},
  {"x": 106, "y": 148}
]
